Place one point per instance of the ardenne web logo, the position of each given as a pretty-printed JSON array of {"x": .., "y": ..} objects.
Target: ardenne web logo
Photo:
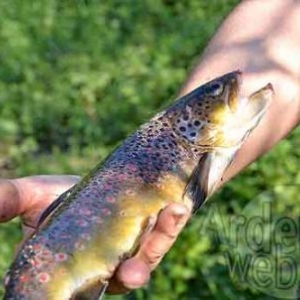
[{"x": 262, "y": 242}]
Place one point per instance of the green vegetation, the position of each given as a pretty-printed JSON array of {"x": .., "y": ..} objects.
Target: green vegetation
[{"x": 76, "y": 77}]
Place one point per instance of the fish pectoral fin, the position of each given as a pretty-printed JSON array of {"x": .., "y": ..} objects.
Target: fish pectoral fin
[
  {"x": 93, "y": 290},
  {"x": 207, "y": 175},
  {"x": 102, "y": 291},
  {"x": 53, "y": 206}
]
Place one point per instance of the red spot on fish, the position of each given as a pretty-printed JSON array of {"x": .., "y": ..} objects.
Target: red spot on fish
[
  {"x": 63, "y": 271},
  {"x": 106, "y": 211},
  {"x": 43, "y": 277},
  {"x": 44, "y": 255},
  {"x": 37, "y": 247},
  {"x": 110, "y": 199},
  {"x": 36, "y": 263},
  {"x": 130, "y": 192},
  {"x": 60, "y": 257},
  {"x": 46, "y": 252},
  {"x": 24, "y": 278}
]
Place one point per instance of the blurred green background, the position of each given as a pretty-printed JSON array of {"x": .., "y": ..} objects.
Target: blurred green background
[{"x": 76, "y": 77}]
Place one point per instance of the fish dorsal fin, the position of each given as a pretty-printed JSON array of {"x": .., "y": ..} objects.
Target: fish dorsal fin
[
  {"x": 53, "y": 206},
  {"x": 207, "y": 174}
]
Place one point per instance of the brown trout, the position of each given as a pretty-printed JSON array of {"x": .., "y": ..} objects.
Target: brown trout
[{"x": 180, "y": 155}]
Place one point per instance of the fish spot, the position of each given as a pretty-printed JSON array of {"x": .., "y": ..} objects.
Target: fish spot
[
  {"x": 43, "y": 278},
  {"x": 36, "y": 263},
  {"x": 197, "y": 123},
  {"x": 24, "y": 278},
  {"x": 131, "y": 192},
  {"x": 122, "y": 214},
  {"x": 46, "y": 254},
  {"x": 110, "y": 199},
  {"x": 60, "y": 257},
  {"x": 182, "y": 129},
  {"x": 106, "y": 211},
  {"x": 63, "y": 271}
]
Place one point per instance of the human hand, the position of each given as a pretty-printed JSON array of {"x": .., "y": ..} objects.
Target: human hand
[{"x": 28, "y": 197}]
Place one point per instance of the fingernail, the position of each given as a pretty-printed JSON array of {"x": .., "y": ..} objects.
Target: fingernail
[{"x": 180, "y": 219}]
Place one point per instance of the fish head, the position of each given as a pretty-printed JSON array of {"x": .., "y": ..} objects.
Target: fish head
[
  {"x": 211, "y": 123},
  {"x": 216, "y": 116}
]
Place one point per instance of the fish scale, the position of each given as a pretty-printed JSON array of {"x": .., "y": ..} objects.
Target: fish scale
[{"x": 178, "y": 156}]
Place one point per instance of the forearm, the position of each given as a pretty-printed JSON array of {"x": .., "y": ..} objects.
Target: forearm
[{"x": 262, "y": 39}]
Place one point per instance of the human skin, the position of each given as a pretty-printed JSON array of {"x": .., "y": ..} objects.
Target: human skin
[
  {"x": 27, "y": 197},
  {"x": 261, "y": 38}
]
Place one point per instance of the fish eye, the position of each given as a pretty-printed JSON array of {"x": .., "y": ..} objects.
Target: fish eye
[{"x": 216, "y": 89}]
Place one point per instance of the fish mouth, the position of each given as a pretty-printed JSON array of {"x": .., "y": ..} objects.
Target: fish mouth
[
  {"x": 252, "y": 106},
  {"x": 250, "y": 111},
  {"x": 257, "y": 103}
]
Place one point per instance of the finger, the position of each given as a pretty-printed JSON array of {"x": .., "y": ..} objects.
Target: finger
[
  {"x": 38, "y": 192},
  {"x": 29, "y": 196},
  {"x": 10, "y": 204},
  {"x": 170, "y": 223},
  {"x": 132, "y": 274}
]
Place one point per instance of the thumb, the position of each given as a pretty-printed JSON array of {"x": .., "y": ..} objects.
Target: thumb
[{"x": 10, "y": 204}]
